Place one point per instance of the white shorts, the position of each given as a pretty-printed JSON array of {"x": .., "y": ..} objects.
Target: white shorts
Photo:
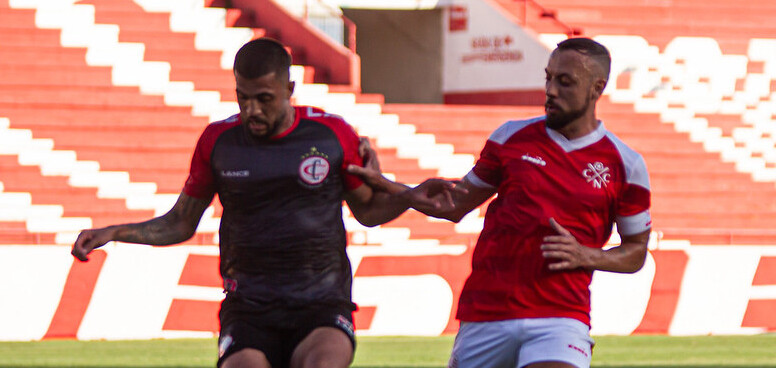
[{"x": 516, "y": 343}]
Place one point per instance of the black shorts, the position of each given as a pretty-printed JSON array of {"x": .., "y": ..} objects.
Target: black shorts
[{"x": 276, "y": 332}]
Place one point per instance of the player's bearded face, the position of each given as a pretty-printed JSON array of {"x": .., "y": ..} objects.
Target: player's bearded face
[
  {"x": 558, "y": 118},
  {"x": 569, "y": 92},
  {"x": 264, "y": 104}
]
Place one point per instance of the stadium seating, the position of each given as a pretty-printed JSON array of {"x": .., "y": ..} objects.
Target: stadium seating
[
  {"x": 109, "y": 97},
  {"x": 710, "y": 81},
  {"x": 95, "y": 130},
  {"x": 729, "y": 23},
  {"x": 133, "y": 102}
]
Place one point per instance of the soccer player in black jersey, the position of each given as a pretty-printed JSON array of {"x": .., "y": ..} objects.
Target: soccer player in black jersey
[{"x": 280, "y": 172}]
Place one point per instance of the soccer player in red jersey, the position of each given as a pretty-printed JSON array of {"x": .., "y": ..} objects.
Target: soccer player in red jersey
[
  {"x": 562, "y": 181},
  {"x": 280, "y": 174}
]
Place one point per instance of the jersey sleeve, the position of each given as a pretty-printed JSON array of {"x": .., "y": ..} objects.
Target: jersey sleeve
[
  {"x": 348, "y": 140},
  {"x": 487, "y": 171},
  {"x": 632, "y": 214},
  {"x": 200, "y": 183},
  {"x": 350, "y": 144}
]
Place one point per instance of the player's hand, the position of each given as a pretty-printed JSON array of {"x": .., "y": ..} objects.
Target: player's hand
[
  {"x": 368, "y": 154},
  {"x": 566, "y": 250},
  {"x": 89, "y": 240},
  {"x": 370, "y": 172},
  {"x": 435, "y": 195}
]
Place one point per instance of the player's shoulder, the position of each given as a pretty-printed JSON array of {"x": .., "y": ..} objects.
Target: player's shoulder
[
  {"x": 632, "y": 161},
  {"x": 219, "y": 126},
  {"x": 512, "y": 127},
  {"x": 224, "y": 123},
  {"x": 318, "y": 114},
  {"x": 332, "y": 121},
  {"x": 629, "y": 155},
  {"x": 232, "y": 120}
]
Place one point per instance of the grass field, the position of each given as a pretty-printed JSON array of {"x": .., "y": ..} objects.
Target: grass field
[{"x": 395, "y": 352}]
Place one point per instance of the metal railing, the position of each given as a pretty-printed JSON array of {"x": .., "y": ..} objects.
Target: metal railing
[
  {"x": 545, "y": 13},
  {"x": 349, "y": 25}
]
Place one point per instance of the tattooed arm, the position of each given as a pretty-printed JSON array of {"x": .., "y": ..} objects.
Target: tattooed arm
[{"x": 177, "y": 225}]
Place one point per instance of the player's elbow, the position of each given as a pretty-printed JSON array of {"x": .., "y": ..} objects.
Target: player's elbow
[
  {"x": 369, "y": 222},
  {"x": 636, "y": 261},
  {"x": 179, "y": 232},
  {"x": 368, "y": 218},
  {"x": 454, "y": 217},
  {"x": 187, "y": 233},
  {"x": 633, "y": 268}
]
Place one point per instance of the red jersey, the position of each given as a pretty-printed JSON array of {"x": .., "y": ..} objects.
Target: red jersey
[{"x": 586, "y": 184}]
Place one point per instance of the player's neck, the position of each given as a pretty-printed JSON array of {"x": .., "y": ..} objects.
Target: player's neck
[
  {"x": 580, "y": 127},
  {"x": 288, "y": 122}
]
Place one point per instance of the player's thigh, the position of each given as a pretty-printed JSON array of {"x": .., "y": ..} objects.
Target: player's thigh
[
  {"x": 246, "y": 358},
  {"x": 323, "y": 347},
  {"x": 242, "y": 344},
  {"x": 484, "y": 345},
  {"x": 555, "y": 343}
]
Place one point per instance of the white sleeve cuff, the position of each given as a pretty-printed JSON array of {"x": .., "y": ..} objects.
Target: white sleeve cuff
[
  {"x": 476, "y": 181},
  {"x": 638, "y": 223}
]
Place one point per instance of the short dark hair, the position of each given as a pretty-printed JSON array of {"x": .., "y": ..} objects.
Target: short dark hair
[
  {"x": 262, "y": 56},
  {"x": 596, "y": 51}
]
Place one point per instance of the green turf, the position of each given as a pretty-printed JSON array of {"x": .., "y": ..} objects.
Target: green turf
[
  {"x": 695, "y": 351},
  {"x": 396, "y": 352},
  {"x": 415, "y": 352},
  {"x": 140, "y": 353}
]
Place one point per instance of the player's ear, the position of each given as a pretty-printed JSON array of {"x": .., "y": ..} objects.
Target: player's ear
[
  {"x": 598, "y": 88},
  {"x": 291, "y": 85}
]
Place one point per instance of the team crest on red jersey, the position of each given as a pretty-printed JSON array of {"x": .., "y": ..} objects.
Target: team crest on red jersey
[
  {"x": 597, "y": 174},
  {"x": 314, "y": 168}
]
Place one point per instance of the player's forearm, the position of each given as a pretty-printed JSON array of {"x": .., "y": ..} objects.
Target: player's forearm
[
  {"x": 628, "y": 257},
  {"x": 455, "y": 214},
  {"x": 175, "y": 226},
  {"x": 382, "y": 208},
  {"x": 164, "y": 230},
  {"x": 463, "y": 199},
  {"x": 388, "y": 186}
]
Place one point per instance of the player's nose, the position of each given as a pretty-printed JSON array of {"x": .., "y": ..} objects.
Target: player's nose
[{"x": 253, "y": 107}]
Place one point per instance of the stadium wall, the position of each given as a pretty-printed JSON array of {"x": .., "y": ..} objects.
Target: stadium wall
[
  {"x": 141, "y": 292},
  {"x": 489, "y": 58},
  {"x": 456, "y": 52},
  {"x": 401, "y": 53},
  {"x": 312, "y": 45}
]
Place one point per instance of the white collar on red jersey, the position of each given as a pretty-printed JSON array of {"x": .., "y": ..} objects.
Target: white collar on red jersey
[{"x": 569, "y": 145}]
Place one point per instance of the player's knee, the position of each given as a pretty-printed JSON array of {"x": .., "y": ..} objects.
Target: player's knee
[
  {"x": 246, "y": 358},
  {"x": 323, "y": 357},
  {"x": 325, "y": 360}
]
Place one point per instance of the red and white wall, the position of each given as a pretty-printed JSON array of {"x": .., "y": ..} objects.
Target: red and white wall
[
  {"x": 138, "y": 292},
  {"x": 484, "y": 55},
  {"x": 489, "y": 58}
]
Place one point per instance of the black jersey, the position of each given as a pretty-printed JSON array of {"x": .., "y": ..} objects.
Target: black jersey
[{"x": 282, "y": 238}]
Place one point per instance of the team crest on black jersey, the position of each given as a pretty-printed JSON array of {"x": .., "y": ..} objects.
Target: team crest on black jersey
[{"x": 314, "y": 168}]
